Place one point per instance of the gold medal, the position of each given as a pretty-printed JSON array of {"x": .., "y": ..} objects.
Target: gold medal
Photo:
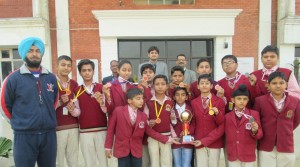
[
  {"x": 211, "y": 112},
  {"x": 157, "y": 113},
  {"x": 68, "y": 92},
  {"x": 158, "y": 120},
  {"x": 181, "y": 85}
]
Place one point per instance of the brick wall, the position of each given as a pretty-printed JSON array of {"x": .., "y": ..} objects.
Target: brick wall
[
  {"x": 298, "y": 7},
  {"x": 84, "y": 27},
  {"x": 15, "y": 8}
]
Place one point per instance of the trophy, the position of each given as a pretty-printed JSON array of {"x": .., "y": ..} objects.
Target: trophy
[{"x": 186, "y": 117}]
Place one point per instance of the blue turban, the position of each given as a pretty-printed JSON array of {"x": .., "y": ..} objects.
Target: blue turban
[{"x": 26, "y": 44}]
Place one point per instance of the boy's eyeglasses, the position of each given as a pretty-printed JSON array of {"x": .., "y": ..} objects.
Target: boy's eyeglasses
[{"x": 228, "y": 63}]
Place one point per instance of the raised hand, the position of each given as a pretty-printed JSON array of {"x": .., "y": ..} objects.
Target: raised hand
[
  {"x": 64, "y": 98},
  {"x": 252, "y": 79}
]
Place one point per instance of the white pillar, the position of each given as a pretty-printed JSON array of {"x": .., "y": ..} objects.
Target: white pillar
[
  {"x": 62, "y": 27},
  {"x": 264, "y": 28},
  {"x": 220, "y": 52},
  {"x": 286, "y": 55},
  {"x": 291, "y": 7},
  {"x": 109, "y": 52}
]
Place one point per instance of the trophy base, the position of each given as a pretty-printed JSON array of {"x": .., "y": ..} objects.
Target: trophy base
[{"x": 188, "y": 139}]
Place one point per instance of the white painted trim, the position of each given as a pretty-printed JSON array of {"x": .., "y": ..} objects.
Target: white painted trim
[
  {"x": 159, "y": 24},
  {"x": 264, "y": 27},
  {"x": 166, "y": 14}
]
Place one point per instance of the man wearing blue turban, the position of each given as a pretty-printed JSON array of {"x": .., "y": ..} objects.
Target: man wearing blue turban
[{"x": 28, "y": 100}]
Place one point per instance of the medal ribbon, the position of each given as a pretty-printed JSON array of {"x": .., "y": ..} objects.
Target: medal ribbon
[
  {"x": 157, "y": 113},
  {"x": 79, "y": 92},
  {"x": 89, "y": 91},
  {"x": 210, "y": 104},
  {"x": 60, "y": 87},
  {"x": 245, "y": 115}
]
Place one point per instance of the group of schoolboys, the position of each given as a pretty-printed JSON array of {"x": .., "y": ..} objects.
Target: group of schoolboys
[{"x": 142, "y": 124}]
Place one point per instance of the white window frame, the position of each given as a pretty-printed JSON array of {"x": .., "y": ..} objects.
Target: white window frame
[{"x": 10, "y": 59}]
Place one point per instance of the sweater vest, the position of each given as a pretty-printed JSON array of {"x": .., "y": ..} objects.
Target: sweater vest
[
  {"x": 91, "y": 118},
  {"x": 164, "y": 125},
  {"x": 66, "y": 121}
]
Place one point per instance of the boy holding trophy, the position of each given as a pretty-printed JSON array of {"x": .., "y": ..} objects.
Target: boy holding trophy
[{"x": 209, "y": 113}]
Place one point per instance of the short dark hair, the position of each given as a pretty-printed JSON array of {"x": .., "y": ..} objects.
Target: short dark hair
[
  {"x": 177, "y": 68},
  {"x": 229, "y": 57},
  {"x": 160, "y": 76},
  {"x": 276, "y": 74},
  {"x": 205, "y": 76},
  {"x": 153, "y": 48},
  {"x": 181, "y": 88},
  {"x": 181, "y": 54},
  {"x": 147, "y": 66},
  {"x": 131, "y": 93},
  {"x": 202, "y": 60},
  {"x": 124, "y": 62},
  {"x": 270, "y": 48},
  {"x": 113, "y": 61},
  {"x": 85, "y": 62},
  {"x": 64, "y": 57}
]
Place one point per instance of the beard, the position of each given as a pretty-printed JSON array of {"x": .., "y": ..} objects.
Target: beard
[{"x": 32, "y": 64}]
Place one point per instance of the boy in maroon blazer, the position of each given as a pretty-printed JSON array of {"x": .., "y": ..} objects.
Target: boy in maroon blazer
[
  {"x": 232, "y": 81},
  {"x": 177, "y": 77},
  {"x": 204, "y": 67},
  {"x": 129, "y": 125},
  {"x": 259, "y": 78},
  {"x": 209, "y": 111},
  {"x": 280, "y": 116},
  {"x": 242, "y": 130}
]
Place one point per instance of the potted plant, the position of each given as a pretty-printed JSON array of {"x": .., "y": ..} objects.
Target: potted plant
[
  {"x": 5, "y": 146},
  {"x": 296, "y": 65}
]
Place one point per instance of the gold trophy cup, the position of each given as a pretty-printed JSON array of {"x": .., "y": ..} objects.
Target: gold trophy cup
[{"x": 186, "y": 117}]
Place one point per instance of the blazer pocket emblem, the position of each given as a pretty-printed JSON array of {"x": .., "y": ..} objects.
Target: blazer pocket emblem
[
  {"x": 168, "y": 107},
  {"x": 142, "y": 124},
  {"x": 289, "y": 114}
]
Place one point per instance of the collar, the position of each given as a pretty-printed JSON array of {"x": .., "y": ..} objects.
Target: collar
[
  {"x": 25, "y": 70},
  {"x": 281, "y": 100},
  {"x": 209, "y": 96},
  {"x": 180, "y": 108},
  {"x": 239, "y": 114},
  {"x": 264, "y": 69},
  {"x": 122, "y": 80},
  {"x": 160, "y": 102},
  {"x": 149, "y": 62},
  {"x": 243, "y": 110},
  {"x": 237, "y": 75},
  {"x": 61, "y": 81},
  {"x": 130, "y": 109}
]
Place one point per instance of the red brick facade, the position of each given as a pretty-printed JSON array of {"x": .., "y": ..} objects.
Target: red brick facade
[
  {"x": 298, "y": 7},
  {"x": 84, "y": 27},
  {"x": 15, "y": 8}
]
